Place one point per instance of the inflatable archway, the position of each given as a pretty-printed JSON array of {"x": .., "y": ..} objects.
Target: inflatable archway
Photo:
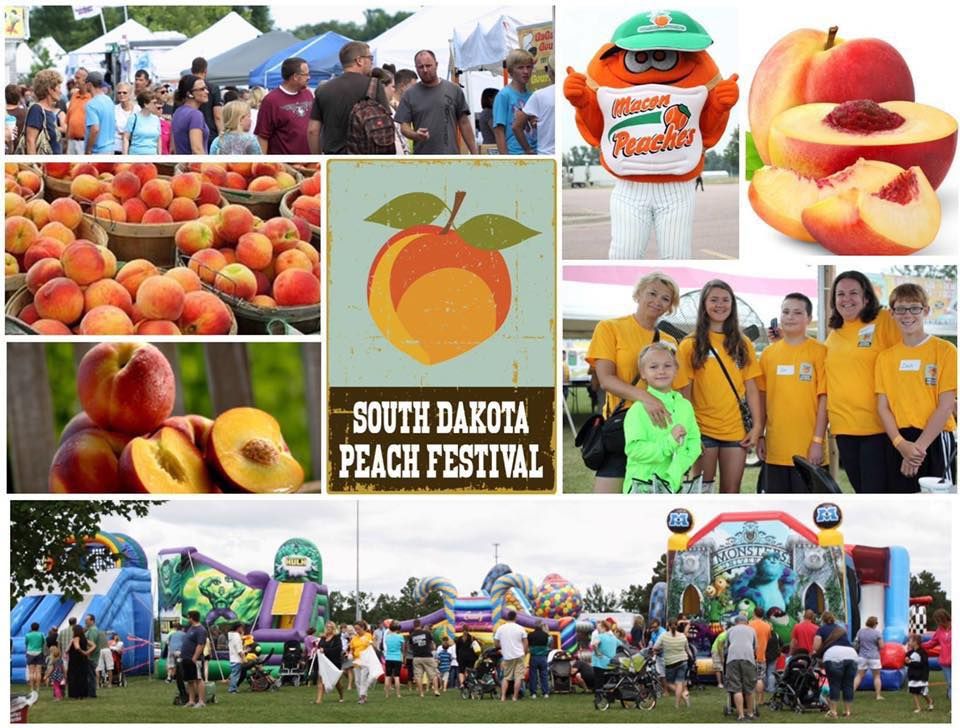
[{"x": 119, "y": 598}]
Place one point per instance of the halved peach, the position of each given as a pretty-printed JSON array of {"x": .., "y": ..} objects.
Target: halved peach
[
  {"x": 898, "y": 219},
  {"x": 779, "y": 196},
  {"x": 248, "y": 451},
  {"x": 166, "y": 462},
  {"x": 817, "y": 140}
]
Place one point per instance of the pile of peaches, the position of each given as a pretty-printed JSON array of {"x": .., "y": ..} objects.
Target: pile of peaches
[
  {"x": 263, "y": 262},
  {"x": 307, "y": 204},
  {"x": 135, "y": 193},
  {"x": 852, "y": 161},
  {"x": 245, "y": 176},
  {"x": 21, "y": 183},
  {"x": 125, "y": 439},
  {"x": 79, "y": 288}
]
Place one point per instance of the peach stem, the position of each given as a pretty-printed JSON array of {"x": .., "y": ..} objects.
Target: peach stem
[
  {"x": 831, "y": 37},
  {"x": 457, "y": 201}
]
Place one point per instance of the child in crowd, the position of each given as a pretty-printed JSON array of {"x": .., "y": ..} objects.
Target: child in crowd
[
  {"x": 55, "y": 675},
  {"x": 794, "y": 382},
  {"x": 510, "y": 100},
  {"x": 916, "y": 385},
  {"x": 445, "y": 656},
  {"x": 659, "y": 457},
  {"x": 918, "y": 673},
  {"x": 718, "y": 369}
]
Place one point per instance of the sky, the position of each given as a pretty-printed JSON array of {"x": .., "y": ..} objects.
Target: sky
[{"x": 585, "y": 539}]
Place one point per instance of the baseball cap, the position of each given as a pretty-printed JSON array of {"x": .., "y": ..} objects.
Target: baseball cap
[
  {"x": 661, "y": 29},
  {"x": 95, "y": 78},
  {"x": 741, "y": 618}
]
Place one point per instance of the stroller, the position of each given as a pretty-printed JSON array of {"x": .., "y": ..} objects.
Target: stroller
[
  {"x": 291, "y": 665},
  {"x": 259, "y": 679},
  {"x": 798, "y": 686},
  {"x": 482, "y": 679},
  {"x": 626, "y": 682},
  {"x": 118, "y": 679},
  {"x": 561, "y": 673}
]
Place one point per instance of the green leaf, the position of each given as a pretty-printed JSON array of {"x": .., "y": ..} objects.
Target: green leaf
[
  {"x": 494, "y": 232},
  {"x": 754, "y": 162},
  {"x": 413, "y": 208}
]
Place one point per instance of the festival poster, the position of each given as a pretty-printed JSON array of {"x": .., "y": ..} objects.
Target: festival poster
[
  {"x": 538, "y": 40},
  {"x": 441, "y": 292}
]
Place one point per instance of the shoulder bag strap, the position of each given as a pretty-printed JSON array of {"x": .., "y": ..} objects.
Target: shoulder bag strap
[{"x": 725, "y": 373}]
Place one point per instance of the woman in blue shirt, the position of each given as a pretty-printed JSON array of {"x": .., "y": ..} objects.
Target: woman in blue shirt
[
  {"x": 604, "y": 646},
  {"x": 142, "y": 135}
]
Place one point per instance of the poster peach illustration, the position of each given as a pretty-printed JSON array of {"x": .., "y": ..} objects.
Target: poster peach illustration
[{"x": 441, "y": 289}]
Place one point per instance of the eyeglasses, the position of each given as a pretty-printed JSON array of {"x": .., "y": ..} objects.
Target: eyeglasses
[
  {"x": 123, "y": 93},
  {"x": 904, "y": 310}
]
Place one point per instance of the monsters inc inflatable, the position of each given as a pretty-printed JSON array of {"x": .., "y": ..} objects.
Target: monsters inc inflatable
[
  {"x": 554, "y": 601},
  {"x": 119, "y": 598},
  {"x": 740, "y": 561},
  {"x": 278, "y": 607}
]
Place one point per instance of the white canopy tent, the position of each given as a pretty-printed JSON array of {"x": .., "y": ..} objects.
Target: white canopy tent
[
  {"x": 230, "y": 31},
  {"x": 91, "y": 54},
  {"x": 483, "y": 42}
]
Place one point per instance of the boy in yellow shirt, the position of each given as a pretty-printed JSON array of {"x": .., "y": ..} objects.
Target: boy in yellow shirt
[
  {"x": 916, "y": 384},
  {"x": 794, "y": 385}
]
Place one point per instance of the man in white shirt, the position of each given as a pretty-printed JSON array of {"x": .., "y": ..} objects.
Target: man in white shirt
[
  {"x": 511, "y": 639},
  {"x": 235, "y": 650}
]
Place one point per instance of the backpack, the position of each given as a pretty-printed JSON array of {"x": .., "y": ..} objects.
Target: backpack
[
  {"x": 370, "y": 127},
  {"x": 774, "y": 647}
]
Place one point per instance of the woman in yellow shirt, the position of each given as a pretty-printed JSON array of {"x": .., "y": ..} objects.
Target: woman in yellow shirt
[
  {"x": 358, "y": 643},
  {"x": 701, "y": 379},
  {"x": 860, "y": 330},
  {"x": 613, "y": 353}
]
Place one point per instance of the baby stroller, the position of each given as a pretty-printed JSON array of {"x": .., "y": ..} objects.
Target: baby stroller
[
  {"x": 623, "y": 683},
  {"x": 482, "y": 679},
  {"x": 561, "y": 673},
  {"x": 798, "y": 686},
  {"x": 259, "y": 679},
  {"x": 291, "y": 665}
]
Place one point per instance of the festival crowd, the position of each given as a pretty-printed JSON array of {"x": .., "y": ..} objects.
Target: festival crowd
[{"x": 365, "y": 110}]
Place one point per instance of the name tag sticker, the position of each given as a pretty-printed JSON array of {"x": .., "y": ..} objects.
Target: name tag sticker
[
  {"x": 909, "y": 365},
  {"x": 785, "y": 370}
]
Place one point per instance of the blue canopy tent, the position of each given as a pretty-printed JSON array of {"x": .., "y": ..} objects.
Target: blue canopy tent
[{"x": 320, "y": 52}]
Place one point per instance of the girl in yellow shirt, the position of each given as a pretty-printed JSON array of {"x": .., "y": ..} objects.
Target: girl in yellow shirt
[
  {"x": 717, "y": 338},
  {"x": 358, "y": 643}
]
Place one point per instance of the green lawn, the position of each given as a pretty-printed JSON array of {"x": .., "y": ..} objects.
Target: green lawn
[
  {"x": 577, "y": 479},
  {"x": 150, "y": 701}
]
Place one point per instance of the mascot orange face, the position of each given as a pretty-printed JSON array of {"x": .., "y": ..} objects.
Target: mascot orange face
[{"x": 653, "y": 99}]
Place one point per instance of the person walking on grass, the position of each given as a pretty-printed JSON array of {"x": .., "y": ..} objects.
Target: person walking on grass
[{"x": 511, "y": 639}]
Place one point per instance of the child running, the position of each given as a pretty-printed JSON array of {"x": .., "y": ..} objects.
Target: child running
[
  {"x": 918, "y": 673},
  {"x": 916, "y": 385},
  {"x": 659, "y": 457},
  {"x": 718, "y": 369}
]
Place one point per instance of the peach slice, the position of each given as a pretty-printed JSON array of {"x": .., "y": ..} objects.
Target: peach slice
[
  {"x": 779, "y": 196},
  {"x": 246, "y": 448},
  {"x": 900, "y": 218},
  {"x": 167, "y": 462},
  {"x": 817, "y": 140}
]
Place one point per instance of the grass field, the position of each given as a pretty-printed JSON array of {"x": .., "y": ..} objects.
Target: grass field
[
  {"x": 578, "y": 479},
  {"x": 151, "y": 701}
]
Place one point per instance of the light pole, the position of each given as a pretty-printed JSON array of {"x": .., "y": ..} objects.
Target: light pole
[
  {"x": 496, "y": 553},
  {"x": 358, "y": 614}
]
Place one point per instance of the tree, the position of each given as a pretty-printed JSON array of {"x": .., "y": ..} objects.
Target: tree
[
  {"x": 925, "y": 584},
  {"x": 597, "y": 600},
  {"x": 731, "y": 154},
  {"x": 376, "y": 21},
  {"x": 938, "y": 272},
  {"x": 40, "y": 532},
  {"x": 636, "y": 598},
  {"x": 43, "y": 60},
  {"x": 581, "y": 155}
]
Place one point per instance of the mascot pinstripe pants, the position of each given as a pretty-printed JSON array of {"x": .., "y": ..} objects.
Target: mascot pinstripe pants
[{"x": 638, "y": 207}]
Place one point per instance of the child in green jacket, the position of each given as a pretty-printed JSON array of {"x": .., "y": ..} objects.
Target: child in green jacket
[{"x": 654, "y": 453}]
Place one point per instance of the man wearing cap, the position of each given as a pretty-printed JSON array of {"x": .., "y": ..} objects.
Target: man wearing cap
[
  {"x": 101, "y": 123},
  {"x": 653, "y": 101},
  {"x": 741, "y": 666}
]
